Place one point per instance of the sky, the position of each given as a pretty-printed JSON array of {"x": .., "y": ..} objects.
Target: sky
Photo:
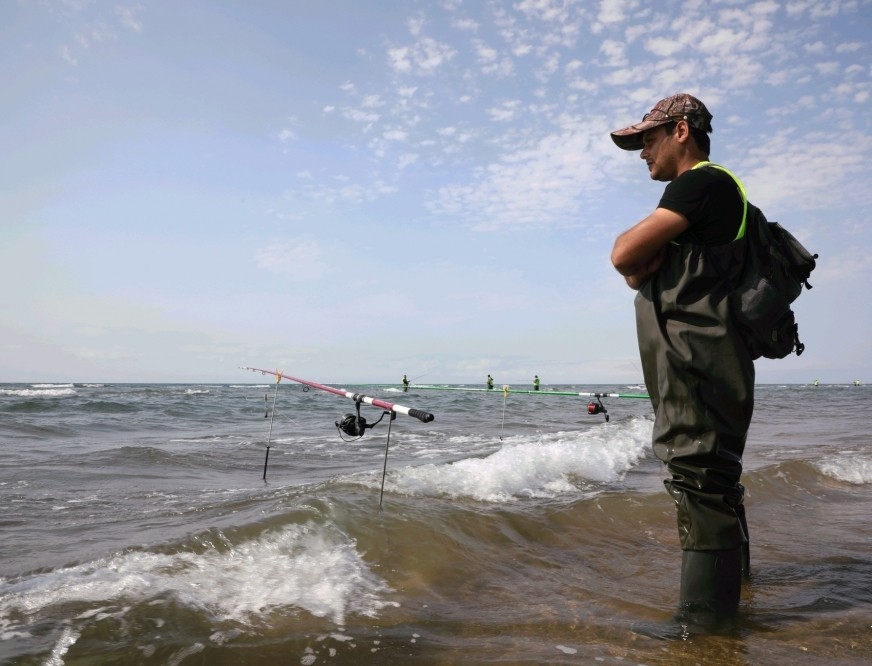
[{"x": 350, "y": 191}]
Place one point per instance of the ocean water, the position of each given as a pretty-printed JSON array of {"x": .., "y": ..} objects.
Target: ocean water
[{"x": 136, "y": 528}]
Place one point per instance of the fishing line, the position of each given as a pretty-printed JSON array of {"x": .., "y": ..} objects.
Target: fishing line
[
  {"x": 385, "y": 467},
  {"x": 284, "y": 419},
  {"x": 354, "y": 425}
]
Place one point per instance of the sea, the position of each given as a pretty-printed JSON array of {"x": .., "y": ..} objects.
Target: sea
[{"x": 183, "y": 524}]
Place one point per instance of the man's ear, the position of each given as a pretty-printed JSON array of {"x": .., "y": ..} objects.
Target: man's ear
[{"x": 681, "y": 131}]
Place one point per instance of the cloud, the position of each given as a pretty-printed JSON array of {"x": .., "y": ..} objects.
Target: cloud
[
  {"x": 466, "y": 24},
  {"x": 299, "y": 260},
  {"x": 615, "y": 51},
  {"x": 491, "y": 62},
  {"x": 66, "y": 54},
  {"x": 545, "y": 10},
  {"x": 423, "y": 57},
  {"x": 372, "y": 102},
  {"x": 540, "y": 185},
  {"x": 359, "y": 116},
  {"x": 505, "y": 112},
  {"x": 813, "y": 172},
  {"x": 128, "y": 18},
  {"x": 612, "y": 11},
  {"x": 406, "y": 159}
]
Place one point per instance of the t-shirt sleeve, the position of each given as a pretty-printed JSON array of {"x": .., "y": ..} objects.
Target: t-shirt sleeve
[{"x": 709, "y": 200}]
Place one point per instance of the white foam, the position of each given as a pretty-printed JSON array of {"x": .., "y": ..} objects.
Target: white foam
[
  {"x": 38, "y": 392},
  {"x": 300, "y": 567},
  {"x": 549, "y": 466},
  {"x": 67, "y": 639},
  {"x": 855, "y": 468}
]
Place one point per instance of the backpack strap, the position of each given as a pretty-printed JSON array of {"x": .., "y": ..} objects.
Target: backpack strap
[{"x": 742, "y": 193}]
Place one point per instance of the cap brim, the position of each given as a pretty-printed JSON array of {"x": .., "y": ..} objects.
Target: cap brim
[{"x": 630, "y": 138}]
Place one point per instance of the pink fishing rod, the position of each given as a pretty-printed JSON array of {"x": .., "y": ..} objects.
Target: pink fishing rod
[
  {"x": 353, "y": 425},
  {"x": 419, "y": 414}
]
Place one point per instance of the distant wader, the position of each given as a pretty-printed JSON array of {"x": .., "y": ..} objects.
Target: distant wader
[{"x": 700, "y": 377}]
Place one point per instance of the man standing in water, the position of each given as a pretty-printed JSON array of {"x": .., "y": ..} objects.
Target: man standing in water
[{"x": 698, "y": 371}]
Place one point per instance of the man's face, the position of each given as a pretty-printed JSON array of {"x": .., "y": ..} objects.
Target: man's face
[{"x": 659, "y": 154}]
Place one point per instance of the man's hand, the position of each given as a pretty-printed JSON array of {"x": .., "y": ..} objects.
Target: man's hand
[
  {"x": 639, "y": 251},
  {"x": 637, "y": 279}
]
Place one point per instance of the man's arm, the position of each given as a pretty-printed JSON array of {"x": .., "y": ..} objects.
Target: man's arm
[{"x": 639, "y": 251}]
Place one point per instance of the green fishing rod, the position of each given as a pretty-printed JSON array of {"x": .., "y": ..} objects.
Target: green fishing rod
[
  {"x": 508, "y": 390},
  {"x": 594, "y": 407}
]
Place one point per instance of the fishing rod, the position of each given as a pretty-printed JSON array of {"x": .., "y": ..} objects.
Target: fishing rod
[
  {"x": 421, "y": 415},
  {"x": 546, "y": 392},
  {"x": 353, "y": 425},
  {"x": 593, "y": 407}
]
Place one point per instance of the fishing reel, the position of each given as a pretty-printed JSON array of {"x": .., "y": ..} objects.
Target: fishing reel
[
  {"x": 355, "y": 426},
  {"x": 597, "y": 407}
]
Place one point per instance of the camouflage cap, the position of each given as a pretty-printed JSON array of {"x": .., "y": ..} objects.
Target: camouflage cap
[{"x": 678, "y": 107}]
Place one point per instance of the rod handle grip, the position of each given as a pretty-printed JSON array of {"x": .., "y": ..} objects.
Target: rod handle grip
[{"x": 421, "y": 415}]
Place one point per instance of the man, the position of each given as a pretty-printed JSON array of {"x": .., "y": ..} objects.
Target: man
[
  {"x": 490, "y": 382},
  {"x": 698, "y": 371},
  {"x": 536, "y": 382}
]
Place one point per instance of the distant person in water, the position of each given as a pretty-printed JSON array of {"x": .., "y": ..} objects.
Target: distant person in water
[
  {"x": 536, "y": 383},
  {"x": 490, "y": 382},
  {"x": 405, "y": 383}
]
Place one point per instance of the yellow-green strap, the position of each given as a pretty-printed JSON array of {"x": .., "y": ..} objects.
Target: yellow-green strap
[{"x": 742, "y": 192}]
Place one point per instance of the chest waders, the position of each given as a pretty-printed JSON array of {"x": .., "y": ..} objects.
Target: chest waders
[{"x": 700, "y": 377}]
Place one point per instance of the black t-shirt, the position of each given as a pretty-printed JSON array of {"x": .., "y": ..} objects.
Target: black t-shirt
[{"x": 711, "y": 202}]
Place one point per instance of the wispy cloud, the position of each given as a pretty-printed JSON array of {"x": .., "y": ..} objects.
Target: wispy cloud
[
  {"x": 421, "y": 58},
  {"x": 298, "y": 260}
]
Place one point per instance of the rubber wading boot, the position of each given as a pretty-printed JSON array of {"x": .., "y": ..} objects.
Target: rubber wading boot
[{"x": 711, "y": 582}]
